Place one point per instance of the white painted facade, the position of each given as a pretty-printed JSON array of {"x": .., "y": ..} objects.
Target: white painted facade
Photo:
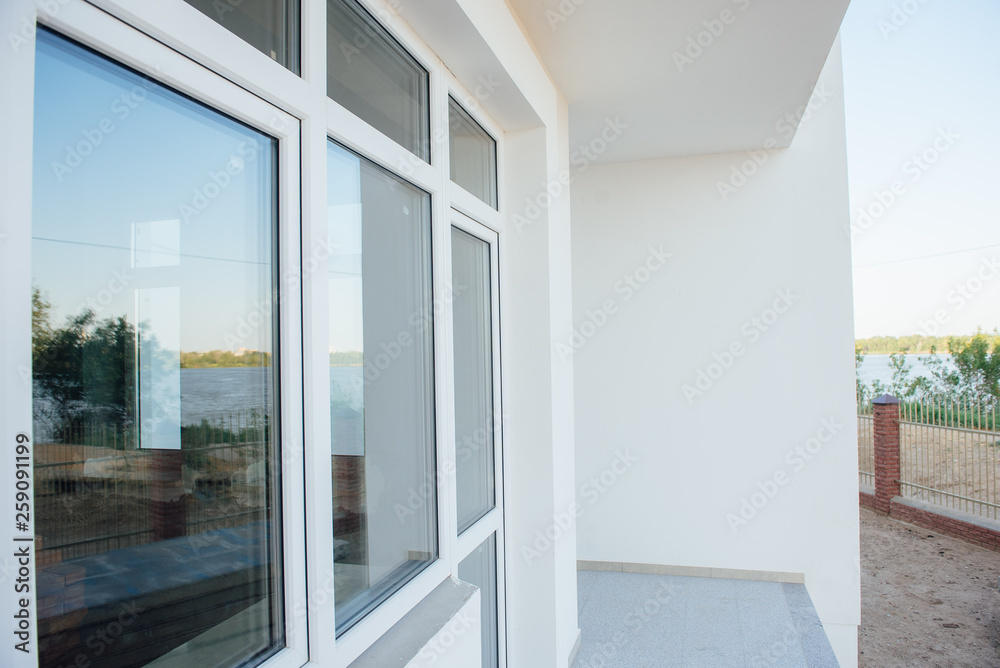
[
  {"x": 578, "y": 401},
  {"x": 710, "y": 429}
]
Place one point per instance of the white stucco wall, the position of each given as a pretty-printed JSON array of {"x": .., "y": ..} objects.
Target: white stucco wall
[
  {"x": 538, "y": 417},
  {"x": 778, "y": 242}
]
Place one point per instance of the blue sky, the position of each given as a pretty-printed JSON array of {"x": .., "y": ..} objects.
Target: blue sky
[
  {"x": 113, "y": 153},
  {"x": 922, "y": 90}
]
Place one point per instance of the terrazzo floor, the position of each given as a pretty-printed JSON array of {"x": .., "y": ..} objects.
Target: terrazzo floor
[{"x": 646, "y": 621}]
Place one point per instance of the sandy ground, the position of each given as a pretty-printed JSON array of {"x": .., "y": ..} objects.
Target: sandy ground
[{"x": 926, "y": 599}]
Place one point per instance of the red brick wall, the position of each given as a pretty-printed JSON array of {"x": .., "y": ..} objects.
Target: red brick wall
[
  {"x": 867, "y": 500},
  {"x": 972, "y": 533}
]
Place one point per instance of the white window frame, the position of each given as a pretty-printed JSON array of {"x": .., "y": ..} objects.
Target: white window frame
[
  {"x": 462, "y": 199},
  {"x": 127, "y": 46},
  {"x": 492, "y": 523},
  {"x": 435, "y": 178},
  {"x": 177, "y": 45}
]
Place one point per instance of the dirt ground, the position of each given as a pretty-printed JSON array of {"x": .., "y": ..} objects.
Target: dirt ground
[{"x": 926, "y": 599}]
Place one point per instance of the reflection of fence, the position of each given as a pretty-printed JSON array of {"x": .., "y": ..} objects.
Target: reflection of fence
[
  {"x": 948, "y": 454},
  {"x": 98, "y": 494}
]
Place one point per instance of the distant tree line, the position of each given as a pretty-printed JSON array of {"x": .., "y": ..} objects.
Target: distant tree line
[
  {"x": 218, "y": 359},
  {"x": 84, "y": 372},
  {"x": 347, "y": 358},
  {"x": 916, "y": 343},
  {"x": 223, "y": 358}
]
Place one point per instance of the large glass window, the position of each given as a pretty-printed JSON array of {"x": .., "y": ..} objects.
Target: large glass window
[
  {"x": 270, "y": 26},
  {"x": 375, "y": 78},
  {"x": 473, "y": 154},
  {"x": 155, "y": 419},
  {"x": 381, "y": 382},
  {"x": 473, "y": 314}
]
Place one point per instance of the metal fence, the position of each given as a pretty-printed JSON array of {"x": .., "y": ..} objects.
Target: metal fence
[
  {"x": 93, "y": 491},
  {"x": 866, "y": 446},
  {"x": 949, "y": 453}
]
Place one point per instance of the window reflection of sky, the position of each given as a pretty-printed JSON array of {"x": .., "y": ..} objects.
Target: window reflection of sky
[
  {"x": 120, "y": 151},
  {"x": 343, "y": 187}
]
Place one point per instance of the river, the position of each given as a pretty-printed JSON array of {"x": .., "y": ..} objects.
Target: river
[{"x": 876, "y": 367}]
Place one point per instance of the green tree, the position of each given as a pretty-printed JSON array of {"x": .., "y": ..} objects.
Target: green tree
[
  {"x": 41, "y": 331},
  {"x": 84, "y": 371},
  {"x": 976, "y": 373},
  {"x": 978, "y": 368},
  {"x": 903, "y": 385},
  {"x": 861, "y": 389}
]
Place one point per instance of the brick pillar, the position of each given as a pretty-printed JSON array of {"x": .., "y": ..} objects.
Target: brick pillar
[{"x": 886, "y": 451}]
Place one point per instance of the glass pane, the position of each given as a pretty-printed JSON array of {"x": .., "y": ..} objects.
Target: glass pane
[
  {"x": 473, "y": 155},
  {"x": 381, "y": 383},
  {"x": 155, "y": 421},
  {"x": 270, "y": 26},
  {"x": 480, "y": 569},
  {"x": 472, "y": 310},
  {"x": 370, "y": 74}
]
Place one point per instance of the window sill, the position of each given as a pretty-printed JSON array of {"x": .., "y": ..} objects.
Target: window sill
[{"x": 443, "y": 630}]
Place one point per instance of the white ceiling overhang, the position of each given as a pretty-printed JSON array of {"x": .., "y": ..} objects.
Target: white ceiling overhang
[{"x": 685, "y": 77}]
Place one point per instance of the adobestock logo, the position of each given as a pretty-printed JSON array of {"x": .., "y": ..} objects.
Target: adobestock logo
[
  {"x": 796, "y": 459},
  {"x": 752, "y": 329},
  {"x": 120, "y": 280},
  {"x": 627, "y": 287},
  {"x": 740, "y": 173},
  {"x": 28, "y": 29},
  {"x": 963, "y": 293},
  {"x": 700, "y": 42},
  {"x": 564, "y": 10},
  {"x": 580, "y": 160},
  {"x": 914, "y": 168},
  {"x": 218, "y": 181},
  {"x": 121, "y": 108},
  {"x": 900, "y": 16},
  {"x": 442, "y": 643},
  {"x": 591, "y": 491}
]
